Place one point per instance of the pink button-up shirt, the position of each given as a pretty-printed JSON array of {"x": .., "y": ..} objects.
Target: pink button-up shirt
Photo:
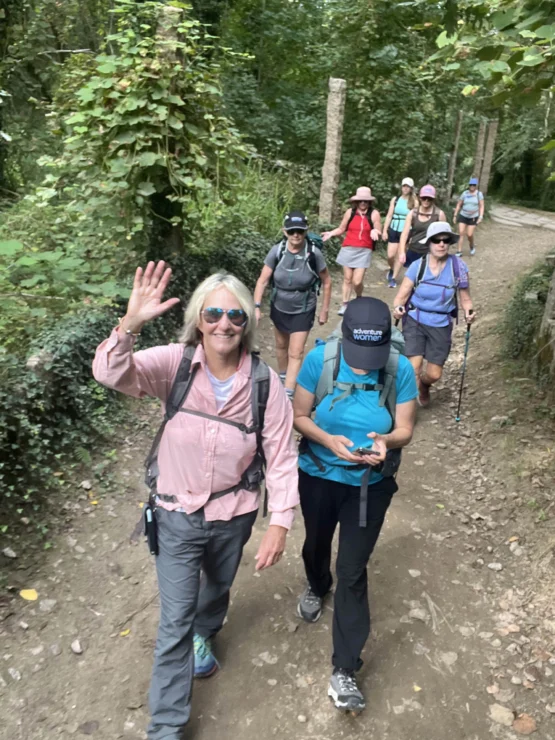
[{"x": 199, "y": 456}]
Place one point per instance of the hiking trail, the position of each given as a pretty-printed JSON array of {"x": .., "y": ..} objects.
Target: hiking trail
[{"x": 463, "y": 618}]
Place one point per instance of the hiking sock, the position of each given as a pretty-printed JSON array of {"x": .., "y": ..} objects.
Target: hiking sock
[{"x": 282, "y": 378}]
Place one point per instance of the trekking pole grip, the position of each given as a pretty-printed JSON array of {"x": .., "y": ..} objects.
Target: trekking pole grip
[{"x": 468, "y": 325}]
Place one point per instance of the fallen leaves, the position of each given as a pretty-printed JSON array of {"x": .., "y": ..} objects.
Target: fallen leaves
[
  {"x": 29, "y": 594},
  {"x": 524, "y": 724},
  {"x": 502, "y": 715}
]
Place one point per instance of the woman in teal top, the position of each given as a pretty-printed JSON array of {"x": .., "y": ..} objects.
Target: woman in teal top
[
  {"x": 399, "y": 208},
  {"x": 342, "y": 480}
]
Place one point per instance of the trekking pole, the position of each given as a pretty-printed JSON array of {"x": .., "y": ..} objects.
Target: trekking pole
[{"x": 467, "y": 342}]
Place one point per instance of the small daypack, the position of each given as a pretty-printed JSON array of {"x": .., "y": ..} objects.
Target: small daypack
[
  {"x": 456, "y": 272},
  {"x": 254, "y": 474},
  {"x": 310, "y": 260},
  {"x": 387, "y": 387}
]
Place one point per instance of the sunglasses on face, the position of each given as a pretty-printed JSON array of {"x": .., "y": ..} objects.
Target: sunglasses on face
[
  {"x": 425, "y": 197},
  {"x": 440, "y": 240},
  {"x": 236, "y": 316},
  {"x": 298, "y": 232}
]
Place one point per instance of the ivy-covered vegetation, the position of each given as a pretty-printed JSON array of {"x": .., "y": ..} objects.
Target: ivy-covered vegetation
[
  {"x": 137, "y": 130},
  {"x": 524, "y": 313}
]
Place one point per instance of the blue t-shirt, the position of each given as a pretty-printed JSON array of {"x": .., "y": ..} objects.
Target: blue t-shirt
[
  {"x": 436, "y": 294},
  {"x": 471, "y": 203},
  {"x": 354, "y": 417}
]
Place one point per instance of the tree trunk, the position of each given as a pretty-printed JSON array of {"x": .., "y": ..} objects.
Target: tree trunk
[
  {"x": 453, "y": 159},
  {"x": 334, "y": 135},
  {"x": 488, "y": 155},
  {"x": 479, "y": 155}
]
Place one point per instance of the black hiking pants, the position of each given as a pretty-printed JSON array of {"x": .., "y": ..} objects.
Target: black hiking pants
[{"x": 325, "y": 504}]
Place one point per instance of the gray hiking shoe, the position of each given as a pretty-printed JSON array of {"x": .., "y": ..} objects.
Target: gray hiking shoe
[
  {"x": 344, "y": 691},
  {"x": 309, "y": 607},
  {"x": 342, "y": 309}
]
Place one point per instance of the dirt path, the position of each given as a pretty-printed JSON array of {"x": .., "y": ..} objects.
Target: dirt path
[{"x": 446, "y": 626}]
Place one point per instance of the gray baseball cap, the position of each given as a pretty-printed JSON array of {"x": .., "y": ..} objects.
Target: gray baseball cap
[{"x": 440, "y": 227}]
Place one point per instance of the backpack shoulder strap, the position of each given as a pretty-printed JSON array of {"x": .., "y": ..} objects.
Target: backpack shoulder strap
[
  {"x": 388, "y": 396},
  {"x": 178, "y": 393},
  {"x": 330, "y": 370},
  {"x": 456, "y": 265},
  {"x": 353, "y": 214},
  {"x": 260, "y": 375},
  {"x": 421, "y": 271},
  {"x": 260, "y": 390},
  {"x": 182, "y": 383}
]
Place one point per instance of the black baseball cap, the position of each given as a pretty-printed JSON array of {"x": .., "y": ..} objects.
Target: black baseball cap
[
  {"x": 366, "y": 333},
  {"x": 295, "y": 220}
]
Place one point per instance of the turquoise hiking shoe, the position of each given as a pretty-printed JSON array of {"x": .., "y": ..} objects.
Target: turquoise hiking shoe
[{"x": 205, "y": 662}]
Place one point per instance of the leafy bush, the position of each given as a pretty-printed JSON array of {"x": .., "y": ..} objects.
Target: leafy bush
[{"x": 524, "y": 313}]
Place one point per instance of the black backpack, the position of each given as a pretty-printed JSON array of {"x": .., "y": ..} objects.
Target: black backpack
[
  {"x": 368, "y": 215},
  {"x": 253, "y": 476}
]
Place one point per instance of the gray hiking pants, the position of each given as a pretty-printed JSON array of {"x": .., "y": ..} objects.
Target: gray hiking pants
[{"x": 189, "y": 603}]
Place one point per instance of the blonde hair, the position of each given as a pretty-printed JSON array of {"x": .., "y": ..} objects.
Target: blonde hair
[{"x": 190, "y": 334}]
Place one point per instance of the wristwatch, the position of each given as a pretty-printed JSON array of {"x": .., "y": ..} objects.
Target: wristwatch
[{"x": 257, "y": 305}]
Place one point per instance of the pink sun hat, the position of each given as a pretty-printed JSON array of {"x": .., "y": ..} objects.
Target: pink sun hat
[
  {"x": 427, "y": 191},
  {"x": 362, "y": 194}
]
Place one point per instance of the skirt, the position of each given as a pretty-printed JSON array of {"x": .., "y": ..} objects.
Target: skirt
[
  {"x": 354, "y": 257},
  {"x": 291, "y": 323}
]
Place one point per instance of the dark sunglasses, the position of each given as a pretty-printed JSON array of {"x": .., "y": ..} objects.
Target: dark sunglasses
[
  {"x": 440, "y": 240},
  {"x": 296, "y": 231},
  {"x": 236, "y": 316},
  {"x": 426, "y": 197}
]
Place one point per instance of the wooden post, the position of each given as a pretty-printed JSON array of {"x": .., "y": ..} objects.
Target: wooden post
[
  {"x": 453, "y": 158},
  {"x": 479, "y": 155},
  {"x": 488, "y": 155},
  {"x": 332, "y": 161}
]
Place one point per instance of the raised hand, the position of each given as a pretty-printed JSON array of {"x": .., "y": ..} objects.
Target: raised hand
[{"x": 146, "y": 301}]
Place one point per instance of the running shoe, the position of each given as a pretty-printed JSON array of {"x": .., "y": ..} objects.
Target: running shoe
[
  {"x": 423, "y": 395},
  {"x": 309, "y": 607},
  {"x": 342, "y": 309},
  {"x": 205, "y": 662},
  {"x": 473, "y": 250},
  {"x": 392, "y": 283},
  {"x": 389, "y": 277},
  {"x": 282, "y": 378},
  {"x": 344, "y": 691},
  {"x": 290, "y": 393},
  {"x": 459, "y": 254}
]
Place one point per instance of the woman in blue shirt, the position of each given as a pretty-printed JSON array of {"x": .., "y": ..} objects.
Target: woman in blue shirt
[
  {"x": 469, "y": 212},
  {"x": 341, "y": 481},
  {"x": 427, "y": 302}
]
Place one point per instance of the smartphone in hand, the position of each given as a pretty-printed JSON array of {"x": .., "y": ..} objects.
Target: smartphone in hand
[{"x": 366, "y": 451}]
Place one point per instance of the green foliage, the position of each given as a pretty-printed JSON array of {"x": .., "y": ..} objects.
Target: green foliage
[
  {"x": 524, "y": 312},
  {"x": 148, "y": 137}
]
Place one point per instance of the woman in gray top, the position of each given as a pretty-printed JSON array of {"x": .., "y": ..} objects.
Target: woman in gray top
[
  {"x": 411, "y": 246},
  {"x": 296, "y": 268}
]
